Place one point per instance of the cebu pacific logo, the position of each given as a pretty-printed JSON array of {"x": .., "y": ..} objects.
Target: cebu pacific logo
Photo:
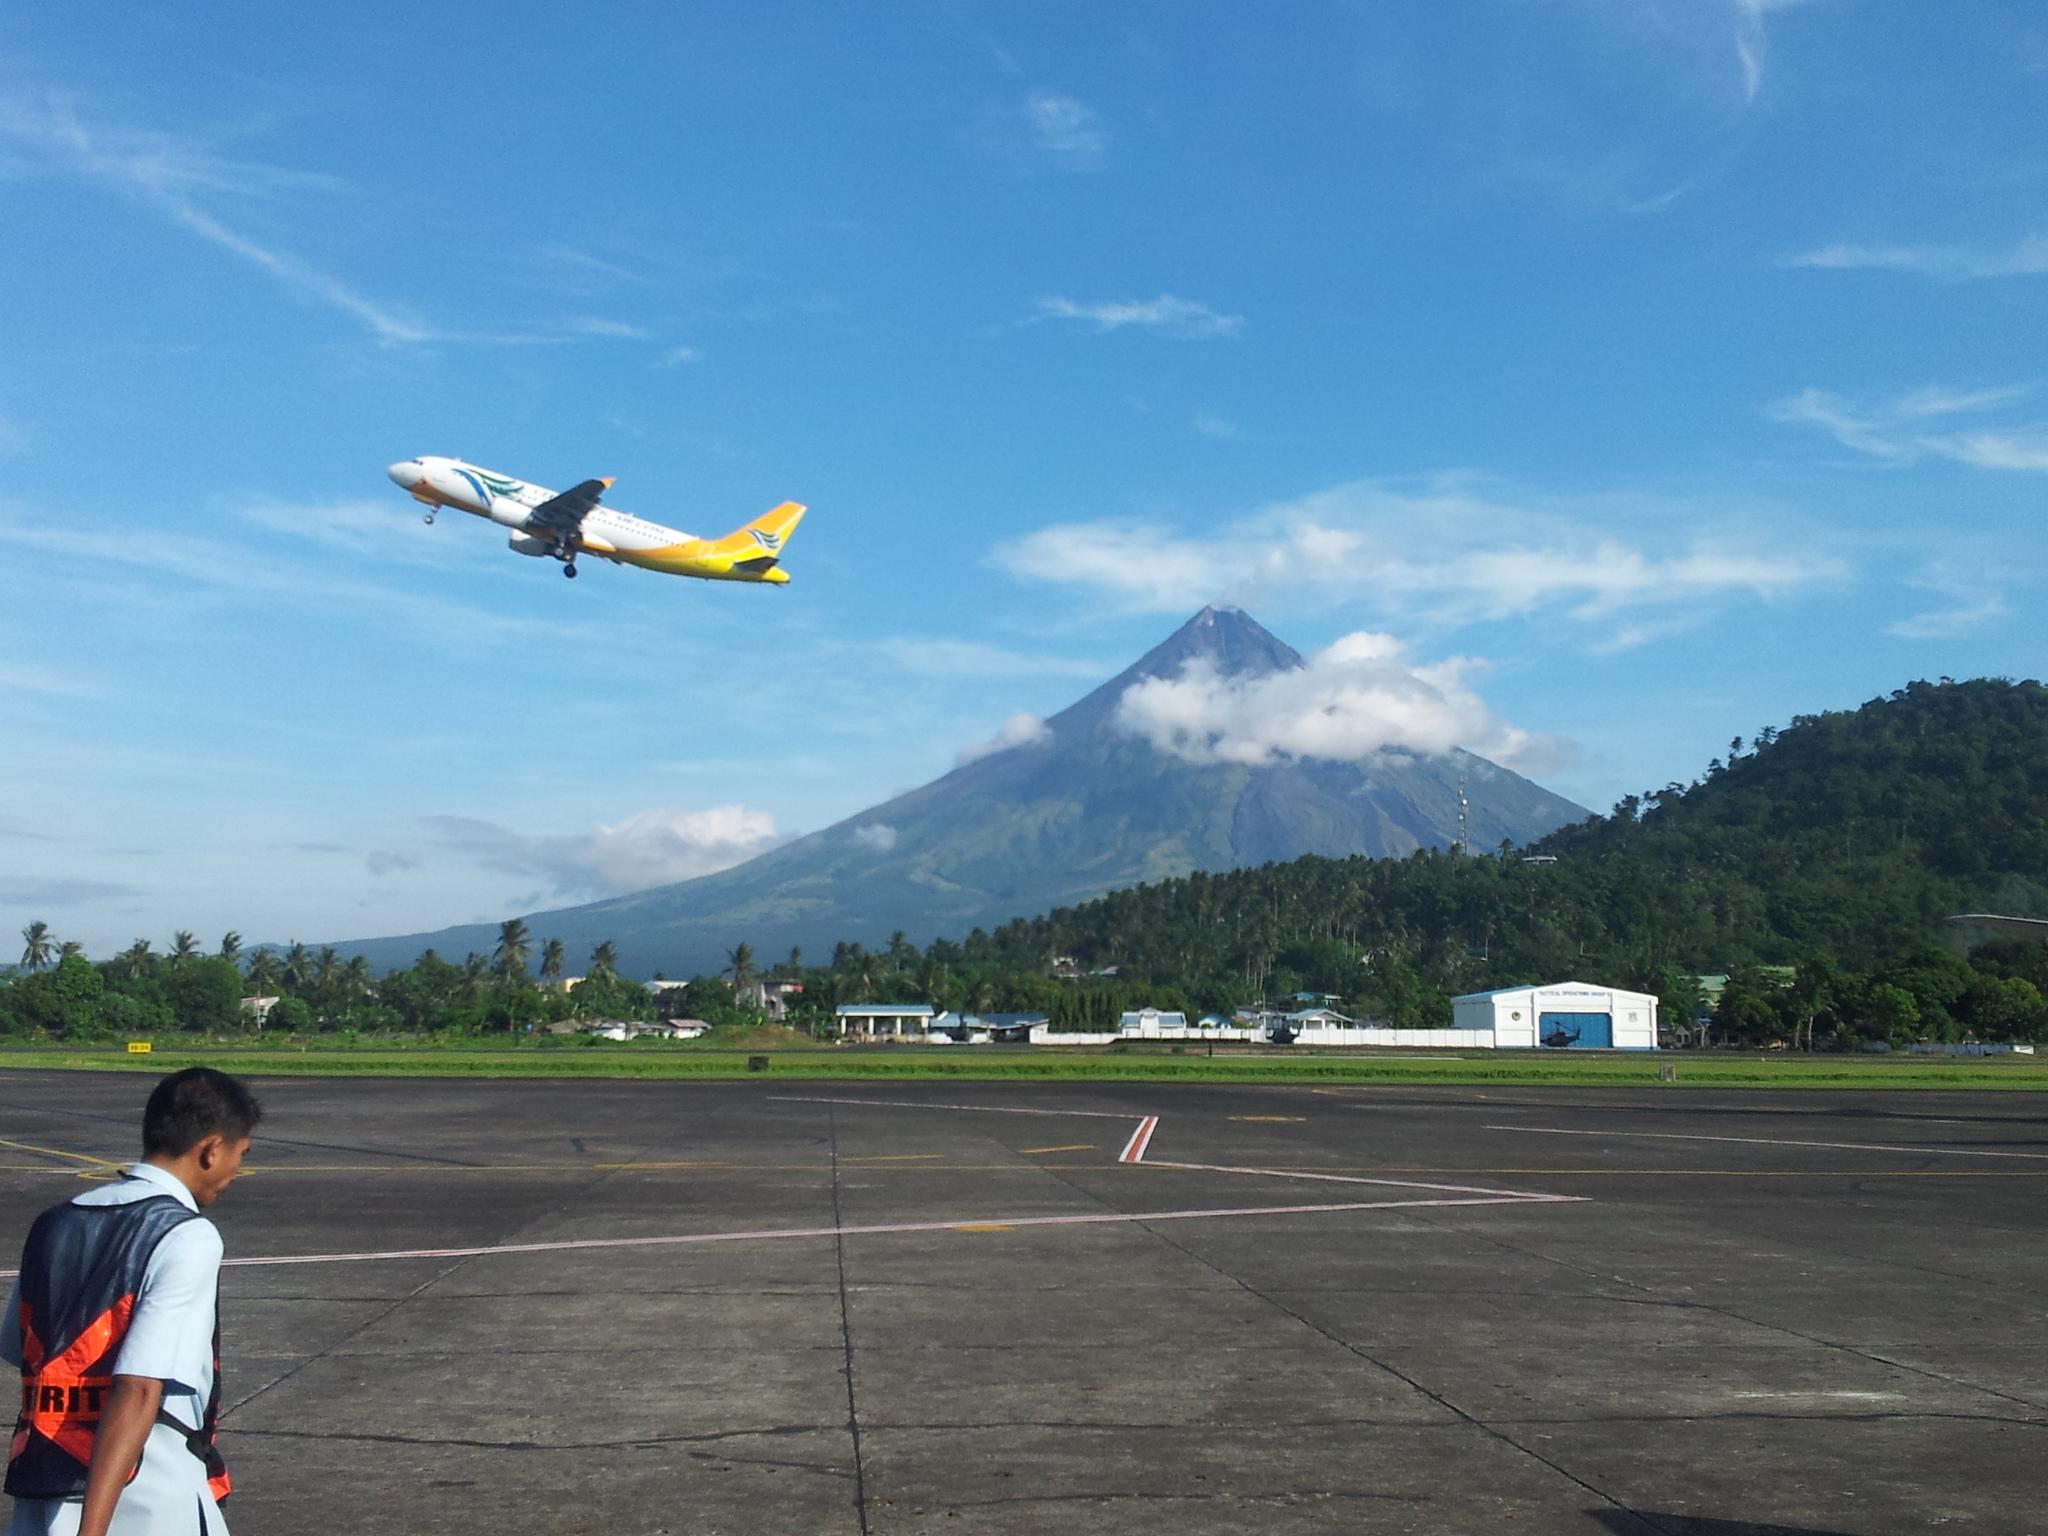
[{"x": 772, "y": 542}]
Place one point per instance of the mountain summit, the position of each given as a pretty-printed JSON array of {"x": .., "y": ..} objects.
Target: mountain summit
[{"x": 1065, "y": 810}]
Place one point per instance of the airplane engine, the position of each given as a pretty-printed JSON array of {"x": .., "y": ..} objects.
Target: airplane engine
[{"x": 527, "y": 544}]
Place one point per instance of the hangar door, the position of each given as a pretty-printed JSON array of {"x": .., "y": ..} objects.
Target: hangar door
[{"x": 1575, "y": 1031}]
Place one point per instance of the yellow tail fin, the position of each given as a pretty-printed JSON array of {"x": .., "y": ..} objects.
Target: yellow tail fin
[{"x": 771, "y": 530}]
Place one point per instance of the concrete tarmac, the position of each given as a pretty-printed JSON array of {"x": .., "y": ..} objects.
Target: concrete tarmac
[{"x": 728, "y": 1308}]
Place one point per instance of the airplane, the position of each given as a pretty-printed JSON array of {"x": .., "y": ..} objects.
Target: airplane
[{"x": 571, "y": 523}]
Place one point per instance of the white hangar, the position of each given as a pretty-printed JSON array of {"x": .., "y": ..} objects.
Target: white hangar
[{"x": 1570, "y": 1015}]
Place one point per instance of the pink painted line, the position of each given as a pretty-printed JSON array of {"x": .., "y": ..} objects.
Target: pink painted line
[
  {"x": 980, "y": 1109},
  {"x": 1514, "y": 1195},
  {"x": 1141, "y": 1138}
]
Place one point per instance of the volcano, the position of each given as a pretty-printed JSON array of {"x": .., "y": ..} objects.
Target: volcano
[{"x": 1070, "y": 811}]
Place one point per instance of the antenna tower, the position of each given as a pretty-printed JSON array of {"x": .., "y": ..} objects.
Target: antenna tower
[{"x": 1464, "y": 805}]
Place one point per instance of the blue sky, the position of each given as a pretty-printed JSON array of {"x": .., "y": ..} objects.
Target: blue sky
[{"x": 1631, "y": 373}]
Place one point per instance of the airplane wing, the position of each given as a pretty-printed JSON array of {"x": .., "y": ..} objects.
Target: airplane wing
[{"x": 563, "y": 515}]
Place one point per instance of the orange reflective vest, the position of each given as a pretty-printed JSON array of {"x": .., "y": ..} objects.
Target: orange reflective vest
[{"x": 81, "y": 1270}]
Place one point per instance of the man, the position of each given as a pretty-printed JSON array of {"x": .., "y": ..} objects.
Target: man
[{"x": 114, "y": 1326}]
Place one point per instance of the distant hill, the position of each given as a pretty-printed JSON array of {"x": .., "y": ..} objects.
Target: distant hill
[
  {"x": 1080, "y": 809},
  {"x": 1852, "y": 834}
]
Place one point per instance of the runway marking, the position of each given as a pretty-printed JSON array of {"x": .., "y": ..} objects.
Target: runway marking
[
  {"x": 80, "y": 1157},
  {"x": 1079, "y": 1146},
  {"x": 1773, "y": 1141},
  {"x": 984, "y": 1226},
  {"x": 796, "y": 1234},
  {"x": 896, "y": 1157},
  {"x": 981, "y": 1109},
  {"x": 1141, "y": 1138},
  {"x": 1271, "y": 1119},
  {"x": 1353, "y": 1178}
]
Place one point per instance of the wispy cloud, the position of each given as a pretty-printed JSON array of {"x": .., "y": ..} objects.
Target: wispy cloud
[
  {"x": 1068, "y": 130},
  {"x": 878, "y": 836},
  {"x": 177, "y": 176},
  {"x": 1443, "y": 551},
  {"x": 1924, "y": 424},
  {"x": 1168, "y": 315},
  {"x": 61, "y": 891},
  {"x": 1951, "y": 263},
  {"x": 1022, "y": 730},
  {"x": 1221, "y": 428},
  {"x": 1752, "y": 40},
  {"x": 676, "y": 356},
  {"x": 20, "y": 677},
  {"x": 595, "y": 325},
  {"x": 649, "y": 848},
  {"x": 1971, "y": 598}
]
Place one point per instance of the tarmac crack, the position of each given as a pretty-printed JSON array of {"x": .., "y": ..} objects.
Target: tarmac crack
[
  {"x": 1473, "y": 1420},
  {"x": 1650, "y": 1297},
  {"x": 860, "y": 1480},
  {"x": 436, "y": 1278}
]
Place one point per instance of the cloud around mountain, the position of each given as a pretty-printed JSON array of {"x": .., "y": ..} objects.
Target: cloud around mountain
[{"x": 1356, "y": 698}]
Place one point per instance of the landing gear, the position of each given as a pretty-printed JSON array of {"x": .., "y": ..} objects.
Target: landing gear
[
  {"x": 569, "y": 569},
  {"x": 429, "y": 518}
]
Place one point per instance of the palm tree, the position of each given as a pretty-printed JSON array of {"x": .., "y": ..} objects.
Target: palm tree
[
  {"x": 35, "y": 953},
  {"x": 474, "y": 968},
  {"x": 137, "y": 957},
  {"x": 69, "y": 948},
  {"x": 739, "y": 965},
  {"x": 183, "y": 947},
  {"x": 325, "y": 964},
  {"x": 796, "y": 962},
  {"x": 604, "y": 960},
  {"x": 552, "y": 955},
  {"x": 357, "y": 974},
  {"x": 297, "y": 968},
  {"x": 514, "y": 945},
  {"x": 231, "y": 947},
  {"x": 263, "y": 977}
]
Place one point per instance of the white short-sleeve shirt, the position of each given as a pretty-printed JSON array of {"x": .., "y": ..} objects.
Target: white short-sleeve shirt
[{"x": 170, "y": 1332}]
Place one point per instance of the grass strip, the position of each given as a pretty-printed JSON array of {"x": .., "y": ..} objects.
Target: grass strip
[{"x": 828, "y": 1064}]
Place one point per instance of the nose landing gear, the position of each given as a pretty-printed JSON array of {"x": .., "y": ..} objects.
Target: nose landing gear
[
  {"x": 569, "y": 569},
  {"x": 429, "y": 518}
]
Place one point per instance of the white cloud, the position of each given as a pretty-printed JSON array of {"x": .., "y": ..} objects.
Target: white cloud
[
  {"x": 1444, "y": 551},
  {"x": 1067, "y": 129},
  {"x": 878, "y": 835},
  {"x": 1952, "y": 263},
  {"x": 1920, "y": 425},
  {"x": 1168, "y": 315},
  {"x": 1221, "y": 428},
  {"x": 648, "y": 848},
  {"x": 1360, "y": 696},
  {"x": 676, "y": 356},
  {"x": 1021, "y": 730}
]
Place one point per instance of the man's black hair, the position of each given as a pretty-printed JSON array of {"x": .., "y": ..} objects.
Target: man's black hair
[{"x": 189, "y": 1106}]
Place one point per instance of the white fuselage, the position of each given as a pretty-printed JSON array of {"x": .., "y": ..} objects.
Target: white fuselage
[{"x": 508, "y": 501}]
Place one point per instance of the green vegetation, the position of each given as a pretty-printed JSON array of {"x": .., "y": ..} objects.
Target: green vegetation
[{"x": 1812, "y": 868}]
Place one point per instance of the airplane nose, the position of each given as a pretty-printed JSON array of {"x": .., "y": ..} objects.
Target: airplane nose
[{"x": 407, "y": 474}]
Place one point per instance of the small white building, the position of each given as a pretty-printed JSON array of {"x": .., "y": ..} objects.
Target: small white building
[
  {"x": 1568, "y": 1015},
  {"x": 884, "y": 1021}
]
